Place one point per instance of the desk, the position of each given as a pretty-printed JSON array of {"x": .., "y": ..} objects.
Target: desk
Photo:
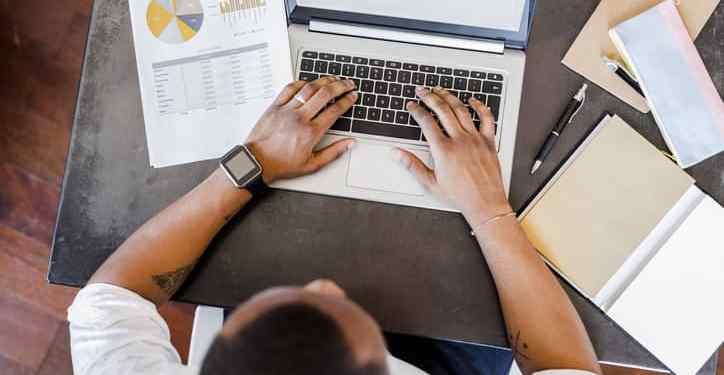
[{"x": 416, "y": 271}]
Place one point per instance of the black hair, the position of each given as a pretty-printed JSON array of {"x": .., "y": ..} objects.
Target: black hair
[{"x": 294, "y": 339}]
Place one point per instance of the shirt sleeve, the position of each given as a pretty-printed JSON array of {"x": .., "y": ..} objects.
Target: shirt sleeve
[{"x": 116, "y": 331}]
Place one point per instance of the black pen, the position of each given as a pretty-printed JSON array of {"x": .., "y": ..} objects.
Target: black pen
[
  {"x": 620, "y": 71},
  {"x": 571, "y": 110}
]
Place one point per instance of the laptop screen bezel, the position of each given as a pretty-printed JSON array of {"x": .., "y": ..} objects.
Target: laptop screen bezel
[{"x": 519, "y": 40}]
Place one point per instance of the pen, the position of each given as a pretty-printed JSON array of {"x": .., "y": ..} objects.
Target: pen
[
  {"x": 620, "y": 71},
  {"x": 571, "y": 110}
]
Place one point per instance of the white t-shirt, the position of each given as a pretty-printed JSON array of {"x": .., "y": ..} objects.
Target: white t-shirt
[{"x": 116, "y": 331}]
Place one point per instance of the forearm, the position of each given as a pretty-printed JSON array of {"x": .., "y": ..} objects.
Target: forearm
[
  {"x": 158, "y": 257},
  {"x": 544, "y": 329}
]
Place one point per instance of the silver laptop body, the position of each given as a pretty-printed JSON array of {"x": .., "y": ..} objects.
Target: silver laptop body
[{"x": 369, "y": 171}]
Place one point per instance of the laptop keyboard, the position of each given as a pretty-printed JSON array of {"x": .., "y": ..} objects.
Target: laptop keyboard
[{"x": 386, "y": 86}]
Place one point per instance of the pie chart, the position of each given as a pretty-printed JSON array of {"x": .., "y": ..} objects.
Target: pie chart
[{"x": 175, "y": 21}]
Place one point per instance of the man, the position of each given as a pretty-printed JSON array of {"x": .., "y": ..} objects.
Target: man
[{"x": 116, "y": 329}]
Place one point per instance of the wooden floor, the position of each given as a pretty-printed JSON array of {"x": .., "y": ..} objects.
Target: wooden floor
[{"x": 41, "y": 46}]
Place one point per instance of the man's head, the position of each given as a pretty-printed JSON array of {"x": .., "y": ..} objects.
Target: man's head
[{"x": 311, "y": 330}]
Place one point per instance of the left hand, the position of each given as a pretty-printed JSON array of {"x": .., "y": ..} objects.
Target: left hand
[{"x": 284, "y": 139}]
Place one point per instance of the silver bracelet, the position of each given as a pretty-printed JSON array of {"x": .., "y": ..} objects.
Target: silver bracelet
[{"x": 492, "y": 220}]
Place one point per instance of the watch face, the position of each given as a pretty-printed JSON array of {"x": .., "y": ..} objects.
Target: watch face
[{"x": 241, "y": 166}]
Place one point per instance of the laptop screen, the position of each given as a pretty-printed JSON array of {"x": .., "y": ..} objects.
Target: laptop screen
[{"x": 490, "y": 14}]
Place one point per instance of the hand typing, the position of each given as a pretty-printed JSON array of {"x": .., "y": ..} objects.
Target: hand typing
[
  {"x": 285, "y": 137},
  {"x": 467, "y": 170}
]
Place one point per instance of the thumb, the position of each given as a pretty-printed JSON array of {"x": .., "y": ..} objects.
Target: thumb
[
  {"x": 328, "y": 154},
  {"x": 412, "y": 163}
]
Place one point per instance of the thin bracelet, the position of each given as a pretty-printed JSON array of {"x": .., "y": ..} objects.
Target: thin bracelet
[{"x": 492, "y": 220}]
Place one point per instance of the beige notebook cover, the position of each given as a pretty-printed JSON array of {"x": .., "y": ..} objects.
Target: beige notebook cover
[
  {"x": 616, "y": 183},
  {"x": 584, "y": 56}
]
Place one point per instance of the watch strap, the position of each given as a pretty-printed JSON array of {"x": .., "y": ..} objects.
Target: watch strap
[{"x": 257, "y": 188}]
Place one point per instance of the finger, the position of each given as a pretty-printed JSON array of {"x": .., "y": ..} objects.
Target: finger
[
  {"x": 288, "y": 92},
  {"x": 459, "y": 109},
  {"x": 324, "y": 96},
  {"x": 412, "y": 163},
  {"x": 328, "y": 154},
  {"x": 326, "y": 119},
  {"x": 308, "y": 91},
  {"x": 429, "y": 125},
  {"x": 442, "y": 110},
  {"x": 487, "y": 121}
]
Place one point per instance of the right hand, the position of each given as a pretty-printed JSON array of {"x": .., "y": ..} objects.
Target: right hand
[{"x": 467, "y": 170}]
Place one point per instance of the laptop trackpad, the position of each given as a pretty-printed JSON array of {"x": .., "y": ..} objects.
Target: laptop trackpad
[{"x": 372, "y": 167}]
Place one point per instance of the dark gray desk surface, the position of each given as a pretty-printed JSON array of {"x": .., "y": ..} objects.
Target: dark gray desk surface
[{"x": 416, "y": 271}]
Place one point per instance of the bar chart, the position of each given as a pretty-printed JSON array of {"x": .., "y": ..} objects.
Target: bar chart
[{"x": 250, "y": 11}]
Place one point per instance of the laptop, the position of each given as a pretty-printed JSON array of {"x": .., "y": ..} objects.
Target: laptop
[{"x": 474, "y": 48}]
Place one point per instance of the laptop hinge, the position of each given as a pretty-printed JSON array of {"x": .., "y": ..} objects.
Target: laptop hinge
[{"x": 406, "y": 36}]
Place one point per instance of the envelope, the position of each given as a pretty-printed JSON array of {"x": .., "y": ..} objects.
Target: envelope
[{"x": 584, "y": 56}]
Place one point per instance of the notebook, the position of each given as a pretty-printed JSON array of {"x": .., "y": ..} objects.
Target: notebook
[
  {"x": 631, "y": 231},
  {"x": 683, "y": 99}
]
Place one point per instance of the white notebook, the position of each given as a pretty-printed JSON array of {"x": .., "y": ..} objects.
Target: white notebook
[
  {"x": 630, "y": 230},
  {"x": 680, "y": 92}
]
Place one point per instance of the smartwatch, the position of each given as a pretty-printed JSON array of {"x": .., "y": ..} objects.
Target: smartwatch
[{"x": 244, "y": 170}]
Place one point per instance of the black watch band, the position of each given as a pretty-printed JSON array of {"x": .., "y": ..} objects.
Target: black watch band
[{"x": 257, "y": 188}]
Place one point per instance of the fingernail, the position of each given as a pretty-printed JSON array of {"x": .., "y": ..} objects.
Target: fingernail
[
  {"x": 410, "y": 105},
  {"x": 421, "y": 91},
  {"x": 438, "y": 88},
  {"x": 354, "y": 93}
]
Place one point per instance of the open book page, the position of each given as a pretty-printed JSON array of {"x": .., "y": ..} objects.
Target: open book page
[
  {"x": 603, "y": 205},
  {"x": 207, "y": 71},
  {"x": 674, "y": 307}
]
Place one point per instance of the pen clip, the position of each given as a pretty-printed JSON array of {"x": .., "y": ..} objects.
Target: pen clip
[{"x": 582, "y": 94}]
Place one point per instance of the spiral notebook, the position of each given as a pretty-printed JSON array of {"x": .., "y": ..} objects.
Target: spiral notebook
[{"x": 631, "y": 231}]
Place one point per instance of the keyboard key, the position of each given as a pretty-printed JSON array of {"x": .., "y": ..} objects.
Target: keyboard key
[
  {"x": 413, "y": 122},
  {"x": 348, "y": 70},
  {"x": 343, "y": 58},
  {"x": 408, "y": 91},
  {"x": 441, "y": 70},
  {"x": 383, "y": 101},
  {"x": 367, "y": 86},
  {"x": 432, "y": 80},
  {"x": 335, "y": 68},
  {"x": 376, "y": 73},
  {"x": 494, "y": 104},
  {"x": 306, "y": 65},
  {"x": 461, "y": 73},
  {"x": 394, "y": 65},
  {"x": 369, "y": 100},
  {"x": 495, "y": 77},
  {"x": 320, "y": 66},
  {"x": 349, "y": 113},
  {"x": 412, "y": 67},
  {"x": 309, "y": 77},
  {"x": 480, "y": 97},
  {"x": 477, "y": 124},
  {"x": 342, "y": 124},
  {"x": 402, "y": 118},
  {"x": 380, "y": 87},
  {"x": 396, "y": 102},
  {"x": 390, "y": 75},
  {"x": 326, "y": 56},
  {"x": 377, "y": 128},
  {"x": 418, "y": 79},
  {"x": 358, "y": 101},
  {"x": 490, "y": 87},
  {"x": 464, "y": 96},
  {"x": 395, "y": 89},
  {"x": 310, "y": 54},
  {"x": 446, "y": 82},
  {"x": 356, "y": 82},
  {"x": 461, "y": 83},
  {"x": 363, "y": 71},
  {"x": 360, "y": 60},
  {"x": 427, "y": 68},
  {"x": 388, "y": 116},
  {"x": 376, "y": 62},
  {"x": 374, "y": 114},
  {"x": 475, "y": 85},
  {"x": 360, "y": 112},
  {"x": 404, "y": 76},
  {"x": 477, "y": 75}
]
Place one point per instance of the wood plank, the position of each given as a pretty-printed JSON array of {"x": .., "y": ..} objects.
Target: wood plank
[
  {"x": 30, "y": 251},
  {"x": 27, "y": 203},
  {"x": 26, "y": 332},
  {"x": 58, "y": 361}
]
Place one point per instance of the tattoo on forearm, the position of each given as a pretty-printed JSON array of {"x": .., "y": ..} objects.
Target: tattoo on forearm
[
  {"x": 519, "y": 347},
  {"x": 170, "y": 282}
]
